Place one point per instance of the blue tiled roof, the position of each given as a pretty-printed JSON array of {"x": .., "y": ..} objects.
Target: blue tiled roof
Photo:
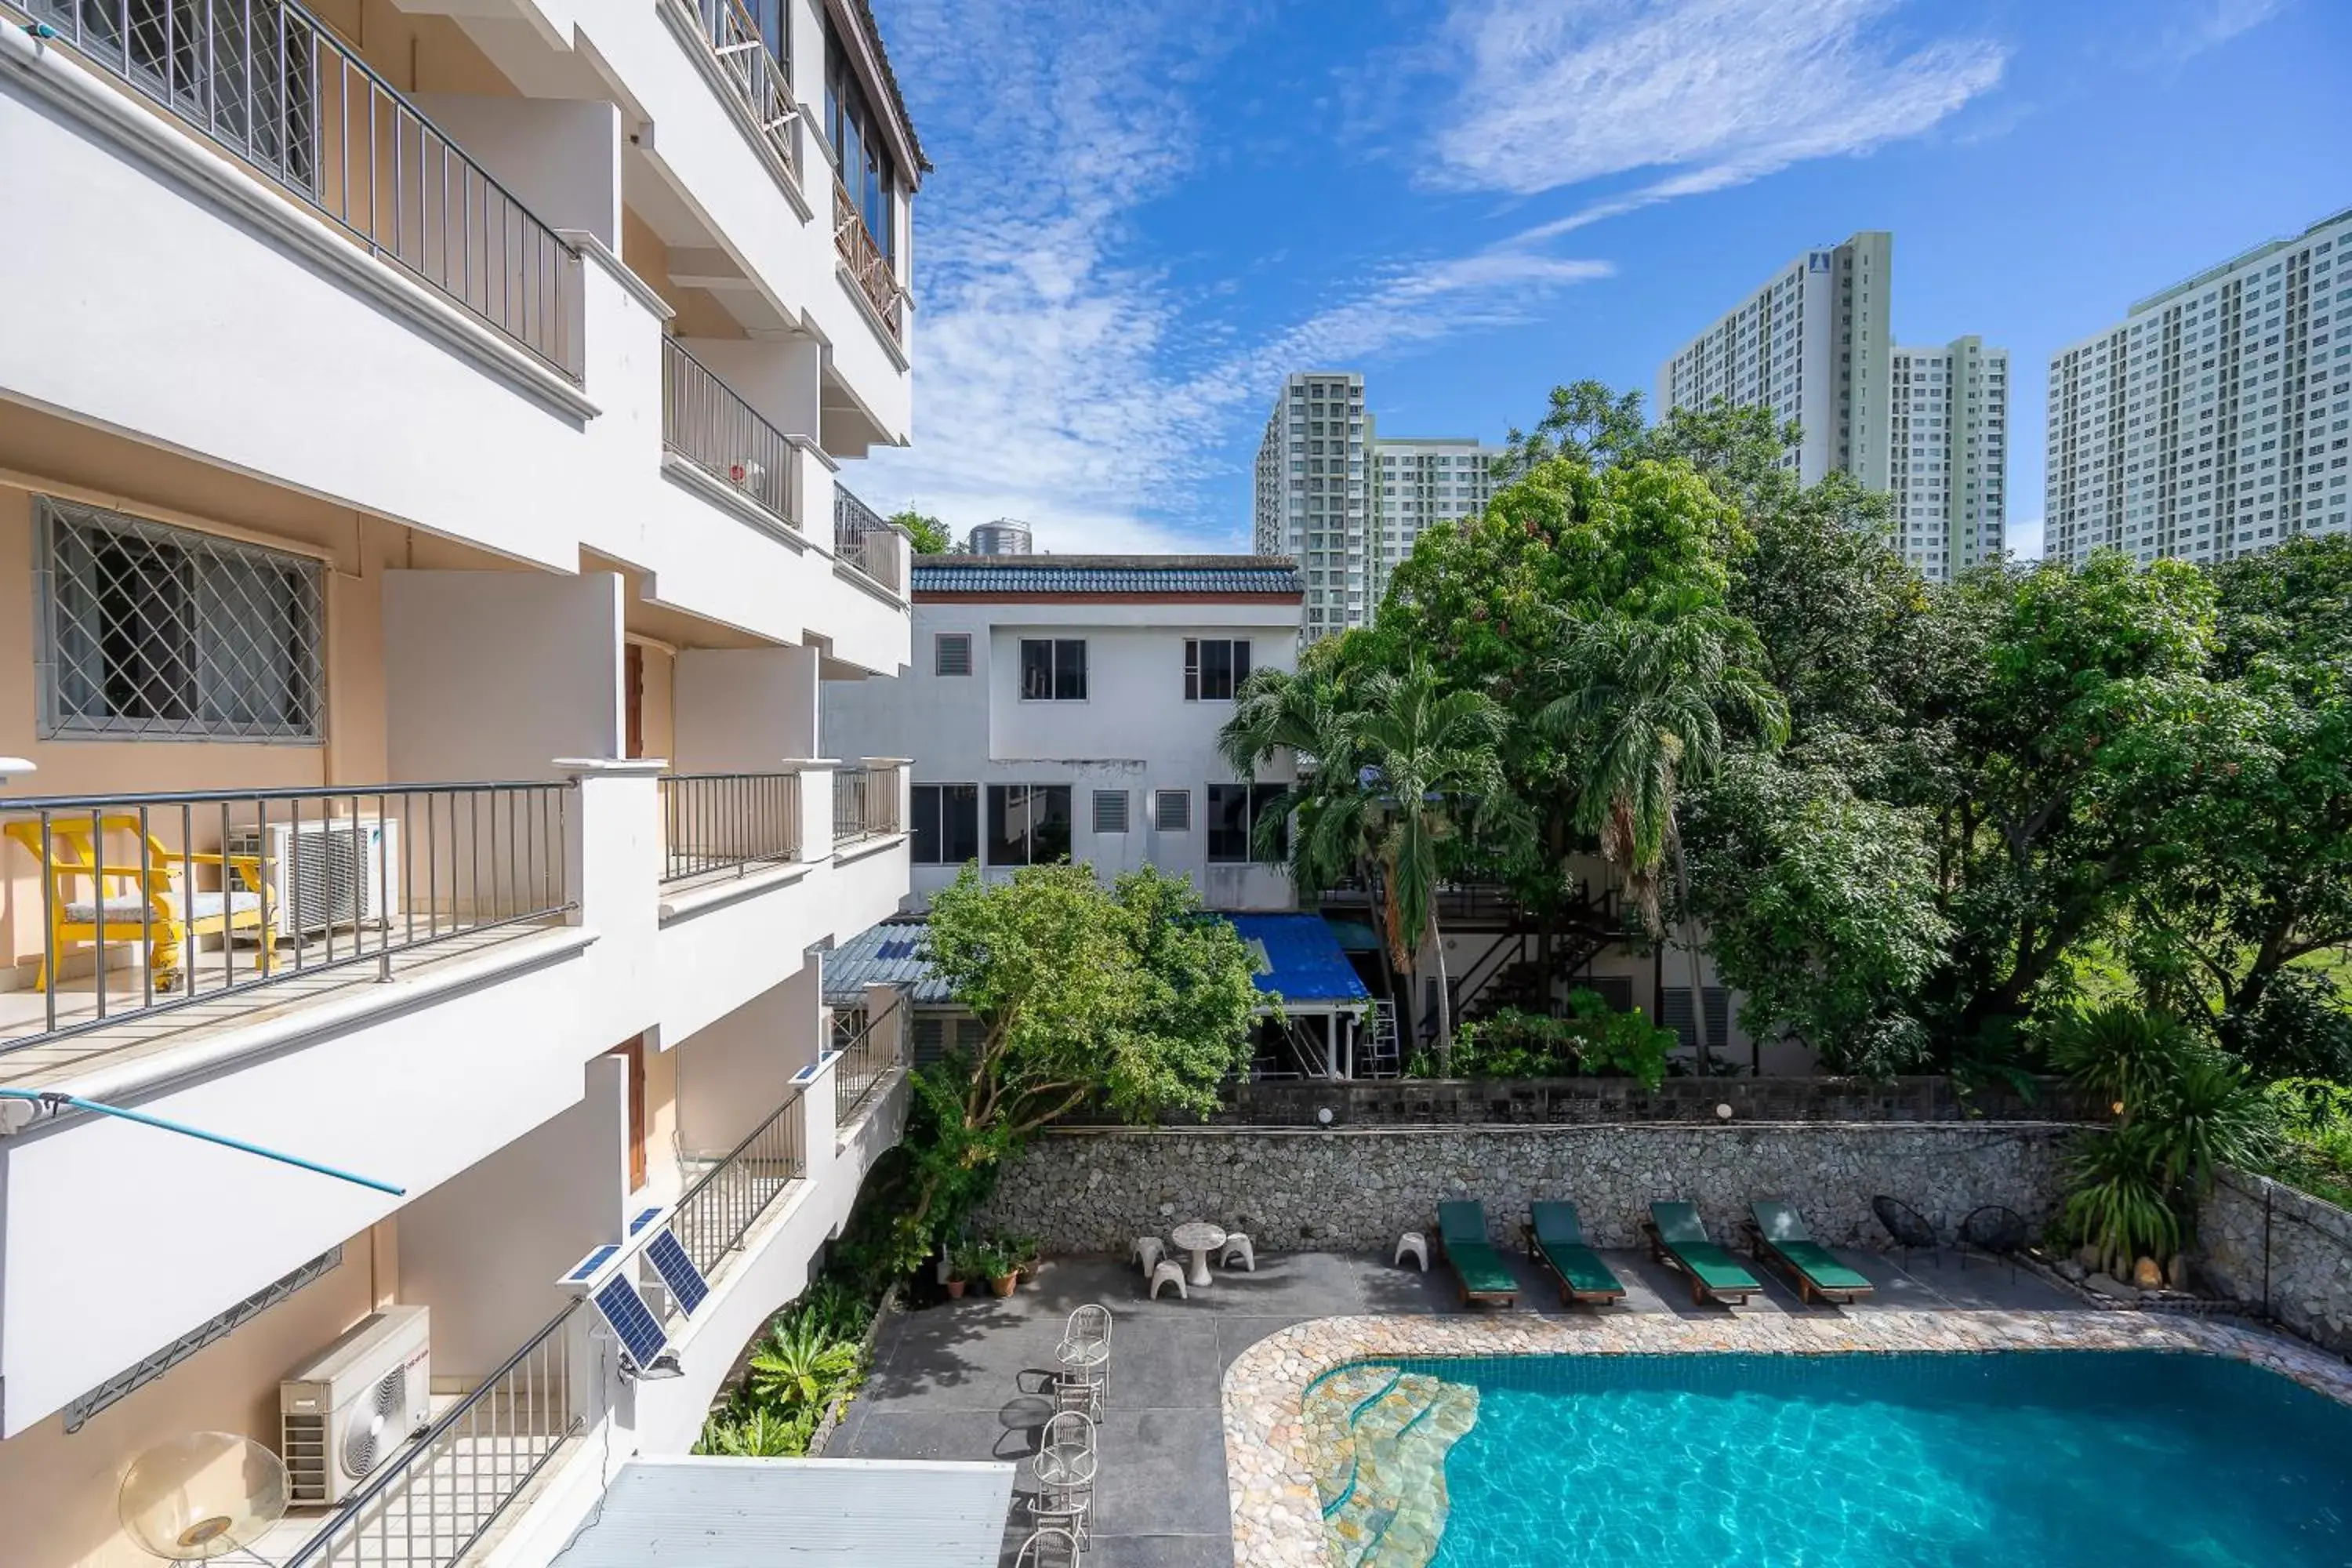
[
  {"x": 1105, "y": 574},
  {"x": 1305, "y": 964},
  {"x": 886, "y": 954}
]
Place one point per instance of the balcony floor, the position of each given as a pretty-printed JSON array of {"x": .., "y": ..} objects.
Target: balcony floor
[{"x": 132, "y": 1033}]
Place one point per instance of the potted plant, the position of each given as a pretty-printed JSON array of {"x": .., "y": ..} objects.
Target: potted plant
[
  {"x": 964, "y": 1264},
  {"x": 993, "y": 1261},
  {"x": 1025, "y": 1250}
]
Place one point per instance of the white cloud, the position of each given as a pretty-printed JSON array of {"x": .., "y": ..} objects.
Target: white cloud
[
  {"x": 1058, "y": 378},
  {"x": 1714, "y": 92},
  {"x": 2204, "y": 25}
]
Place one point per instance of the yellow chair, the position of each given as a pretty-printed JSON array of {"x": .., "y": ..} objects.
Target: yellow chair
[{"x": 127, "y": 903}]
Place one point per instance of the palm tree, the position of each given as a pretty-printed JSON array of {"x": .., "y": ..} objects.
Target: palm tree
[
  {"x": 1321, "y": 829},
  {"x": 1645, "y": 706}
]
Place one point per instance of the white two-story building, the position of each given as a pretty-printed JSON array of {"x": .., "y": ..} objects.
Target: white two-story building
[
  {"x": 420, "y": 559},
  {"x": 1066, "y": 707}
]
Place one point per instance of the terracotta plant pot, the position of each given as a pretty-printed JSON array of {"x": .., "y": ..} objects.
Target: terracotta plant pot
[
  {"x": 1004, "y": 1283},
  {"x": 955, "y": 1289}
]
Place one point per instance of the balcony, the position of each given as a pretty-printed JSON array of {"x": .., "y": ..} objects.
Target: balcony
[
  {"x": 858, "y": 530},
  {"x": 753, "y": 83},
  {"x": 197, "y": 908},
  {"x": 865, "y": 804},
  {"x": 273, "y": 87},
  {"x": 708, "y": 424},
  {"x": 869, "y": 265},
  {"x": 727, "y": 823}
]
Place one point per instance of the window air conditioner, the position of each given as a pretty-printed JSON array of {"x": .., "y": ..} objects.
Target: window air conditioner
[
  {"x": 341, "y": 871},
  {"x": 352, "y": 1409}
]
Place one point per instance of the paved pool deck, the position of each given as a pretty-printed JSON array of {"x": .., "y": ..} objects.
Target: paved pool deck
[{"x": 964, "y": 1380}]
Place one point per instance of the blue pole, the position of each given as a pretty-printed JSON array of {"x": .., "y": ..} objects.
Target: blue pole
[{"x": 60, "y": 1102}]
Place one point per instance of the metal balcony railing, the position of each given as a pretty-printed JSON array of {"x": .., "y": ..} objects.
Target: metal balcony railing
[
  {"x": 429, "y": 1505},
  {"x": 273, "y": 85},
  {"x": 716, "y": 1213},
  {"x": 865, "y": 804},
  {"x": 148, "y": 902},
  {"x": 718, "y": 822},
  {"x": 868, "y": 263},
  {"x": 762, "y": 80},
  {"x": 706, "y": 422},
  {"x": 867, "y": 1058},
  {"x": 858, "y": 530}
]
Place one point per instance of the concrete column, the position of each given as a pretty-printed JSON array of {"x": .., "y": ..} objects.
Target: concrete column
[
  {"x": 614, "y": 849},
  {"x": 816, "y": 807}
]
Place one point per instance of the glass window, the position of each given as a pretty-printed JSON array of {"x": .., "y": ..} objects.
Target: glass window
[
  {"x": 951, "y": 654},
  {"x": 1028, "y": 824},
  {"x": 1233, "y": 813},
  {"x": 151, "y": 630},
  {"x": 1052, "y": 669},
  {"x": 947, "y": 823},
  {"x": 859, "y": 157},
  {"x": 1214, "y": 667}
]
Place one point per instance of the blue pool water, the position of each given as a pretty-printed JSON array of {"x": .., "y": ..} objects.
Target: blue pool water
[{"x": 2011, "y": 1460}]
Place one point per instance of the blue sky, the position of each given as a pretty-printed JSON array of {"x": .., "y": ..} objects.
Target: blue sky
[{"x": 1145, "y": 214}]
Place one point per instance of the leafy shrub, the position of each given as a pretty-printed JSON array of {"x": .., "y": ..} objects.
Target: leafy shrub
[
  {"x": 2117, "y": 1201},
  {"x": 1591, "y": 1041},
  {"x": 2301, "y": 1029},
  {"x": 2316, "y": 1125}
]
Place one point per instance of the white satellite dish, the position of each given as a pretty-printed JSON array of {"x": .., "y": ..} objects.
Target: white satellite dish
[{"x": 202, "y": 1496}]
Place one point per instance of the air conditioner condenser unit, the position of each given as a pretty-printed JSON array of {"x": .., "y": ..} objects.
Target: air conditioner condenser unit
[
  {"x": 352, "y": 1409},
  {"x": 338, "y": 872}
]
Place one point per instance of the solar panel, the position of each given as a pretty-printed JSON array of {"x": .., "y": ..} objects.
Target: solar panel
[
  {"x": 643, "y": 1218},
  {"x": 586, "y": 1267},
  {"x": 677, "y": 1271},
  {"x": 640, "y": 1332}
]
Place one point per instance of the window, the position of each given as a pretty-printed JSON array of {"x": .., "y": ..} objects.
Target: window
[
  {"x": 947, "y": 823},
  {"x": 859, "y": 159},
  {"x": 148, "y": 630},
  {"x": 1171, "y": 810},
  {"x": 1233, "y": 813},
  {"x": 1214, "y": 667},
  {"x": 1052, "y": 669},
  {"x": 1111, "y": 811},
  {"x": 1028, "y": 824},
  {"x": 951, "y": 654}
]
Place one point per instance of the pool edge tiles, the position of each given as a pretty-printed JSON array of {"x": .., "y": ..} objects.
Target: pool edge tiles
[{"x": 1278, "y": 1509}]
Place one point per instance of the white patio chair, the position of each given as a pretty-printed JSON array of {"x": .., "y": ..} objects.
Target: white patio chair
[
  {"x": 1237, "y": 1244},
  {"x": 1148, "y": 1251},
  {"x": 1169, "y": 1273},
  {"x": 1050, "y": 1547},
  {"x": 1083, "y": 1381}
]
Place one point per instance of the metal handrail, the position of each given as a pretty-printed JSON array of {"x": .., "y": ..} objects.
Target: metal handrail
[
  {"x": 864, "y": 803},
  {"x": 271, "y": 84},
  {"x": 374, "y": 871},
  {"x": 389, "y": 1536},
  {"x": 856, "y": 530},
  {"x": 709, "y": 424},
  {"x": 718, "y": 822},
  {"x": 761, "y": 80},
  {"x": 868, "y": 262},
  {"x": 861, "y": 1067},
  {"x": 714, "y": 1214}
]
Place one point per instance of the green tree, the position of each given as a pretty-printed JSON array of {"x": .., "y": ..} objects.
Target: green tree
[
  {"x": 1323, "y": 830},
  {"x": 928, "y": 534},
  {"x": 1821, "y": 907},
  {"x": 1646, "y": 703},
  {"x": 1130, "y": 998},
  {"x": 1586, "y": 423}
]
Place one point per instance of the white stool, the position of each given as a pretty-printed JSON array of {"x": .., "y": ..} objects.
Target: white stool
[
  {"x": 1168, "y": 1272},
  {"x": 1148, "y": 1250},
  {"x": 1413, "y": 1242},
  {"x": 1237, "y": 1244}
]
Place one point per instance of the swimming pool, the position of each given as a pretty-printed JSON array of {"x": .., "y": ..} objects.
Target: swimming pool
[{"x": 1996, "y": 1460}]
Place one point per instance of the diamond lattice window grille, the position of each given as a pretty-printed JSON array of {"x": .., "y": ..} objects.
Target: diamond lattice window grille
[{"x": 154, "y": 632}]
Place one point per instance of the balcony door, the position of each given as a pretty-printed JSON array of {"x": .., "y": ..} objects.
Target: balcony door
[
  {"x": 632, "y": 1053},
  {"x": 632, "y": 697}
]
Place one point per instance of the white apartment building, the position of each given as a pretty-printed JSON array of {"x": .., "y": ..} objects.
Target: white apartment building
[
  {"x": 1313, "y": 501},
  {"x": 420, "y": 557},
  {"x": 1949, "y": 431},
  {"x": 2215, "y": 419},
  {"x": 1067, "y": 707},
  {"x": 1417, "y": 481},
  {"x": 1812, "y": 344}
]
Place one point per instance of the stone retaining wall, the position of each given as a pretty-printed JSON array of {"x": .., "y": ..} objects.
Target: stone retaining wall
[
  {"x": 1577, "y": 1102},
  {"x": 2307, "y": 1242},
  {"x": 1355, "y": 1189}
]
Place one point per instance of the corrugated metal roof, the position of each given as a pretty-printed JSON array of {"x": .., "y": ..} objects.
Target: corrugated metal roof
[
  {"x": 694, "y": 1512},
  {"x": 1105, "y": 575},
  {"x": 886, "y": 954},
  {"x": 1305, "y": 964}
]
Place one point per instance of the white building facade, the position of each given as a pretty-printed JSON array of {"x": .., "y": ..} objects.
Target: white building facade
[
  {"x": 2216, "y": 418},
  {"x": 1066, "y": 707},
  {"x": 1417, "y": 481},
  {"x": 421, "y": 554},
  {"x": 1813, "y": 344},
  {"x": 1948, "y": 475},
  {"x": 1313, "y": 501}
]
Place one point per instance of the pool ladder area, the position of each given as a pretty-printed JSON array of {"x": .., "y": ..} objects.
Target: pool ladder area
[{"x": 1381, "y": 1436}]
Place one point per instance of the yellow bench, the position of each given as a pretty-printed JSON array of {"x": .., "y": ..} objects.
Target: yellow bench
[{"x": 140, "y": 903}]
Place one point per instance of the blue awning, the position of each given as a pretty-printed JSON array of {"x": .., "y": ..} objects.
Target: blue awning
[{"x": 1304, "y": 962}]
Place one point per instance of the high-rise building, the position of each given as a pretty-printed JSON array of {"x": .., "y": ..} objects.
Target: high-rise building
[
  {"x": 1417, "y": 480},
  {"x": 1813, "y": 344},
  {"x": 2212, "y": 420},
  {"x": 1949, "y": 431},
  {"x": 1928, "y": 424},
  {"x": 1312, "y": 501}
]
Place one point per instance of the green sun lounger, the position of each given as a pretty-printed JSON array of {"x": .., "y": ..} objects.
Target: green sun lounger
[
  {"x": 1556, "y": 1239},
  {"x": 1477, "y": 1268},
  {"x": 1778, "y": 1235},
  {"x": 1678, "y": 1240}
]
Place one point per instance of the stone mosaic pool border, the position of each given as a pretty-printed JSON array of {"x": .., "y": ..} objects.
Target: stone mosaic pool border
[{"x": 1278, "y": 1520}]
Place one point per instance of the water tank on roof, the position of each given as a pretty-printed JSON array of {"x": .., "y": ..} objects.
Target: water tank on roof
[{"x": 1005, "y": 536}]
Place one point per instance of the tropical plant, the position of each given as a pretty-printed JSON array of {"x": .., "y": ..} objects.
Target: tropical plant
[
  {"x": 2124, "y": 1054},
  {"x": 2315, "y": 1126},
  {"x": 1592, "y": 1040},
  {"x": 2117, "y": 1200},
  {"x": 800, "y": 1366},
  {"x": 1647, "y": 702},
  {"x": 755, "y": 1431}
]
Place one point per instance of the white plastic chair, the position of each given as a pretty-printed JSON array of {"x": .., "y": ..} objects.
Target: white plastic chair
[
  {"x": 1149, "y": 1251},
  {"x": 1083, "y": 1381},
  {"x": 1237, "y": 1244},
  {"x": 1050, "y": 1547},
  {"x": 1167, "y": 1273},
  {"x": 1414, "y": 1244}
]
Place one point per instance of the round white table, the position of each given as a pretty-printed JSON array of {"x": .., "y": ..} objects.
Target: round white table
[{"x": 1199, "y": 1238}]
